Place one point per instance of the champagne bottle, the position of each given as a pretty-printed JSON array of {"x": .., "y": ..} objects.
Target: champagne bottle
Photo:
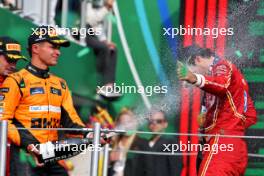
[{"x": 51, "y": 152}]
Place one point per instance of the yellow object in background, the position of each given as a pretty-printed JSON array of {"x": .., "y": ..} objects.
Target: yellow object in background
[
  {"x": 100, "y": 164},
  {"x": 103, "y": 113}
]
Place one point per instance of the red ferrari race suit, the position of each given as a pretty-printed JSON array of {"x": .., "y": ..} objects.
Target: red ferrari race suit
[{"x": 230, "y": 111}]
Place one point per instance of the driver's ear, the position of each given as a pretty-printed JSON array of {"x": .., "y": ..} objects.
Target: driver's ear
[
  {"x": 197, "y": 60},
  {"x": 35, "y": 48}
]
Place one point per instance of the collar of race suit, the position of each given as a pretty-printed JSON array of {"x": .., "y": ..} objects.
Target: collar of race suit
[{"x": 37, "y": 71}]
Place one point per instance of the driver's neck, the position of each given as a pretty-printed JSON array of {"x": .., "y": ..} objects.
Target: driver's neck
[{"x": 38, "y": 63}]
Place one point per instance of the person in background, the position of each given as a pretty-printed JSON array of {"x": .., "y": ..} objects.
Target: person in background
[
  {"x": 159, "y": 165},
  {"x": 36, "y": 11},
  {"x": 122, "y": 163},
  {"x": 105, "y": 51},
  {"x": 8, "y": 3},
  {"x": 10, "y": 53}
]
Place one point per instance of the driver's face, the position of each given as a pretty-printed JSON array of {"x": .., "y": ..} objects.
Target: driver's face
[
  {"x": 202, "y": 65},
  {"x": 7, "y": 66}
]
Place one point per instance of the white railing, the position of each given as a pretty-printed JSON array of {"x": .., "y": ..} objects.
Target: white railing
[{"x": 3, "y": 146}]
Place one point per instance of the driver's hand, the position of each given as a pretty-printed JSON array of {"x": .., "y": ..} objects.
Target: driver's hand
[{"x": 33, "y": 151}]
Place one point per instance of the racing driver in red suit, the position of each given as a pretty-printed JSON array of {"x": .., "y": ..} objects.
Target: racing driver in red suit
[{"x": 230, "y": 110}]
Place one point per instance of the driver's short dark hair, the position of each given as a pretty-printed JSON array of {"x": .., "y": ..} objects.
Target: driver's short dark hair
[{"x": 191, "y": 52}]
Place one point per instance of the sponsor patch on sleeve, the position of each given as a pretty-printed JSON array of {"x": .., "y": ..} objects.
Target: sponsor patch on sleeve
[
  {"x": 36, "y": 90},
  {"x": 63, "y": 85},
  {"x": 2, "y": 97}
]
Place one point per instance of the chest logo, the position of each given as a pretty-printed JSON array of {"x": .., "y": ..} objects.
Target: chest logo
[
  {"x": 55, "y": 91},
  {"x": 36, "y": 90},
  {"x": 4, "y": 90}
]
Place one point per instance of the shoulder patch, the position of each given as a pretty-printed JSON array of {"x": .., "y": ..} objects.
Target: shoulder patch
[
  {"x": 2, "y": 97},
  {"x": 63, "y": 85},
  {"x": 22, "y": 83}
]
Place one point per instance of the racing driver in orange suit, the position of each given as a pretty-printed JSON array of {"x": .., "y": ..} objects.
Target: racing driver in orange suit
[
  {"x": 35, "y": 98},
  {"x": 10, "y": 53},
  {"x": 230, "y": 110}
]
